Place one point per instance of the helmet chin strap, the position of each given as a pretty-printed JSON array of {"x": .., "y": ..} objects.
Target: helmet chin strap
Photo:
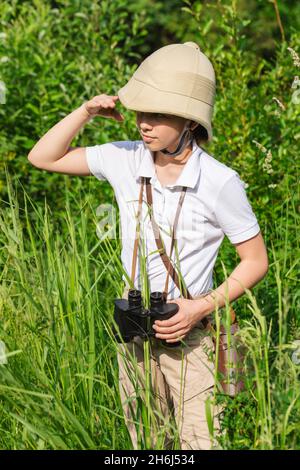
[{"x": 186, "y": 139}]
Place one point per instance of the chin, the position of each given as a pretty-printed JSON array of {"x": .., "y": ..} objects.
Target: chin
[{"x": 153, "y": 144}]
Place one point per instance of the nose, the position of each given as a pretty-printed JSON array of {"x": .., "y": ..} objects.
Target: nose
[{"x": 142, "y": 122}]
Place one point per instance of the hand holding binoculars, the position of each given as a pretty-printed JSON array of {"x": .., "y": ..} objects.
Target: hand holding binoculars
[{"x": 135, "y": 320}]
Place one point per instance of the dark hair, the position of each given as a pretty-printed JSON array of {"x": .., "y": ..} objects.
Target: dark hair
[{"x": 200, "y": 135}]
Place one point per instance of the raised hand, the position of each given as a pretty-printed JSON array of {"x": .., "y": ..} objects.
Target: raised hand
[{"x": 103, "y": 105}]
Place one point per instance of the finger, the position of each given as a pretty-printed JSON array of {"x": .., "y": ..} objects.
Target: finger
[
  {"x": 173, "y": 336},
  {"x": 170, "y": 322},
  {"x": 118, "y": 116},
  {"x": 108, "y": 101},
  {"x": 167, "y": 329}
]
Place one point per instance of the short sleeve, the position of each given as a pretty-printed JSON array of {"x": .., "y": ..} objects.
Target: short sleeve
[
  {"x": 110, "y": 161},
  {"x": 95, "y": 161},
  {"x": 234, "y": 213}
]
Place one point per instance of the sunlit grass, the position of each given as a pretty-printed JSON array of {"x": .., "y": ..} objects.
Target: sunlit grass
[{"x": 59, "y": 387}]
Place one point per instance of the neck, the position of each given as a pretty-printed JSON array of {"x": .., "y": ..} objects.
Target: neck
[{"x": 181, "y": 159}]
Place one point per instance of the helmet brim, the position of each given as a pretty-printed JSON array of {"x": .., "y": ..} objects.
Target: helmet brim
[{"x": 140, "y": 96}]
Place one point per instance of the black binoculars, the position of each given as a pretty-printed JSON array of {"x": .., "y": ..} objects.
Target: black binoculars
[{"x": 134, "y": 320}]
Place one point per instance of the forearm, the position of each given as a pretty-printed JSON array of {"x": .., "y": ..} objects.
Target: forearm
[
  {"x": 55, "y": 143},
  {"x": 246, "y": 275}
]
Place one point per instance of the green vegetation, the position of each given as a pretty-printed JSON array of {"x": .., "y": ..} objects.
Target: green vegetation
[{"x": 59, "y": 387}]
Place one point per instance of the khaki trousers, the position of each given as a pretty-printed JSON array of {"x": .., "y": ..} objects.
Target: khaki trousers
[{"x": 181, "y": 381}]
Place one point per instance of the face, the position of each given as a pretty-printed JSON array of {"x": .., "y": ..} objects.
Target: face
[{"x": 160, "y": 131}]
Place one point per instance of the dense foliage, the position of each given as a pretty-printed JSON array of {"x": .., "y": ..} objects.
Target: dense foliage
[{"x": 57, "y": 279}]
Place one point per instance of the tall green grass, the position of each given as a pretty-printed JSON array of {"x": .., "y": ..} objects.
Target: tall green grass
[
  {"x": 59, "y": 377},
  {"x": 59, "y": 387}
]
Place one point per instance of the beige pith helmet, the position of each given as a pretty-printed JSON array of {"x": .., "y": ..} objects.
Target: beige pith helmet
[{"x": 176, "y": 79}]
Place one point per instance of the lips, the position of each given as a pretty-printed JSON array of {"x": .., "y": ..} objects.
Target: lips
[{"x": 147, "y": 138}]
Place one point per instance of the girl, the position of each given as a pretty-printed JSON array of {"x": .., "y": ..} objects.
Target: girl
[{"x": 172, "y": 93}]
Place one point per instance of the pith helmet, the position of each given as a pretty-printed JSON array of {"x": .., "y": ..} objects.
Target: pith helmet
[{"x": 176, "y": 79}]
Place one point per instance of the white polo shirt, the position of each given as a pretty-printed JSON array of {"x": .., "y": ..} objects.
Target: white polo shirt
[{"x": 215, "y": 205}]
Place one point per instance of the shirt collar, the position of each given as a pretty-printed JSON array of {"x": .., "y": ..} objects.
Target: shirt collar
[{"x": 189, "y": 175}]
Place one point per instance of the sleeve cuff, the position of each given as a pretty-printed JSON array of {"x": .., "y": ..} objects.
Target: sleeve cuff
[{"x": 245, "y": 234}]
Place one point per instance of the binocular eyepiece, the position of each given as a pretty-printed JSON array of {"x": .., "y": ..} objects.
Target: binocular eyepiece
[{"x": 134, "y": 320}]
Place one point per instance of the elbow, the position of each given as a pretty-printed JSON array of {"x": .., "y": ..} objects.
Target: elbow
[
  {"x": 263, "y": 262},
  {"x": 259, "y": 271},
  {"x": 266, "y": 270},
  {"x": 30, "y": 157},
  {"x": 265, "y": 266},
  {"x": 258, "y": 266},
  {"x": 33, "y": 160},
  {"x": 266, "y": 261}
]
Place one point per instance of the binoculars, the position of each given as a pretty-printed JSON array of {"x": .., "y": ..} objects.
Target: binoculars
[{"x": 134, "y": 320}]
